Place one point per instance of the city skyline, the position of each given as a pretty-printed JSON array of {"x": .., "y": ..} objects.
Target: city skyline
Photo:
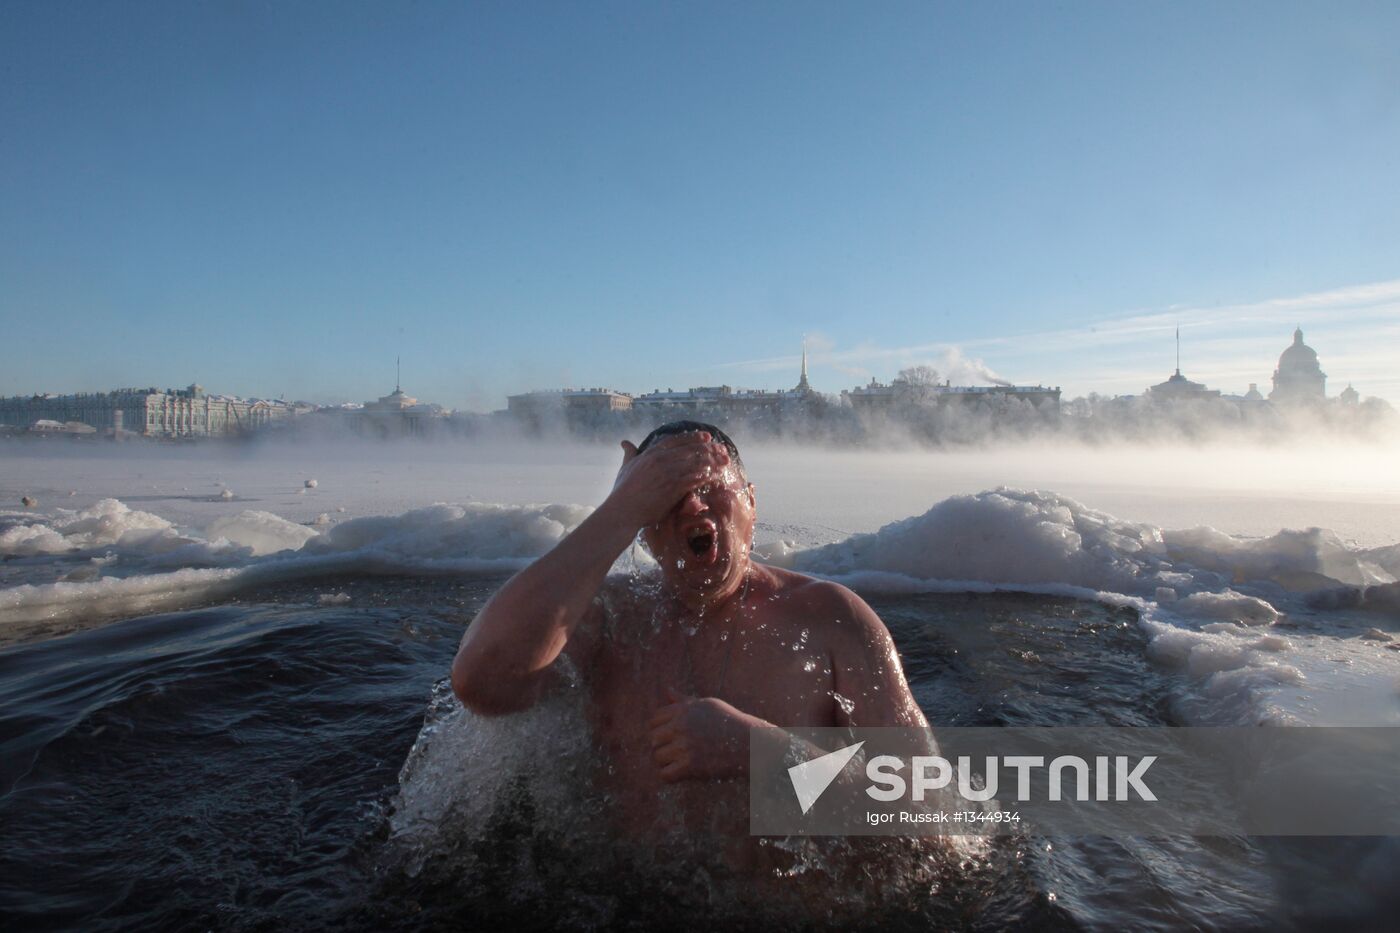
[
  {"x": 276, "y": 201},
  {"x": 964, "y": 373}
]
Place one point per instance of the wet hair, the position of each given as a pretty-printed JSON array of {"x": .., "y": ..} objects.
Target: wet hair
[{"x": 687, "y": 427}]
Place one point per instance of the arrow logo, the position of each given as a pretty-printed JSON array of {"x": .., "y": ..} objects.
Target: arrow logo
[{"x": 811, "y": 778}]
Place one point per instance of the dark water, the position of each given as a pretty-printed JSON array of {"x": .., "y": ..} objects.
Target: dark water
[{"x": 231, "y": 768}]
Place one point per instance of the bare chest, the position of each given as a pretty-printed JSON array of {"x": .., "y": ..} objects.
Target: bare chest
[{"x": 776, "y": 671}]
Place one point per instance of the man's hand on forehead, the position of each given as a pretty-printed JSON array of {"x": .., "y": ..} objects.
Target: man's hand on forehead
[
  {"x": 680, "y": 452},
  {"x": 650, "y": 483},
  {"x": 687, "y": 443}
]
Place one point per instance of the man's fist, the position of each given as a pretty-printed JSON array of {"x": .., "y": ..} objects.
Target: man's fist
[{"x": 702, "y": 738}]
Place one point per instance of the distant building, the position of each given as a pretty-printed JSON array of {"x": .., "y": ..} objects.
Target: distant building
[
  {"x": 1253, "y": 394},
  {"x": 727, "y": 400},
  {"x": 579, "y": 406},
  {"x": 1177, "y": 388},
  {"x": 872, "y": 398},
  {"x": 1299, "y": 379},
  {"x": 721, "y": 399},
  {"x": 397, "y": 414},
  {"x": 566, "y": 403},
  {"x": 1350, "y": 396},
  {"x": 880, "y": 397},
  {"x": 596, "y": 399},
  {"x": 689, "y": 401},
  {"x": 189, "y": 412}
]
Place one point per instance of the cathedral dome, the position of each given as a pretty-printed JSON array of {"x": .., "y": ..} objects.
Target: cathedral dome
[
  {"x": 1299, "y": 357},
  {"x": 1299, "y": 378}
]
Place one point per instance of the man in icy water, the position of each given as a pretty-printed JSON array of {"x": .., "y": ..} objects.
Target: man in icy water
[{"x": 680, "y": 673}]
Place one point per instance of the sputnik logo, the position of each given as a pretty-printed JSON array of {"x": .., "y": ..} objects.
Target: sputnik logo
[{"x": 811, "y": 778}]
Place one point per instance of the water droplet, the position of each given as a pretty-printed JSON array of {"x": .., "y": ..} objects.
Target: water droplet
[{"x": 809, "y": 665}]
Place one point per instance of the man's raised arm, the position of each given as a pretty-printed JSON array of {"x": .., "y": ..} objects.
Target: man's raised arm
[{"x": 503, "y": 663}]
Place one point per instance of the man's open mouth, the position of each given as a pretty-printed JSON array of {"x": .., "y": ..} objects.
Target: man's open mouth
[{"x": 703, "y": 541}]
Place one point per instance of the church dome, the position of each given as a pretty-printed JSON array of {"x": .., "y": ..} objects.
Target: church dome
[
  {"x": 1299, "y": 378},
  {"x": 1299, "y": 356}
]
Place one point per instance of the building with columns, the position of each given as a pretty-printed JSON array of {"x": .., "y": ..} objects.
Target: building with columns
[{"x": 172, "y": 413}]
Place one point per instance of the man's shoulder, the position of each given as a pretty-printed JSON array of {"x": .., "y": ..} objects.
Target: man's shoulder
[
  {"x": 801, "y": 587},
  {"x": 825, "y": 601}
]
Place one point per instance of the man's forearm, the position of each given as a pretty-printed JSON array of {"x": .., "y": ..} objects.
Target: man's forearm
[
  {"x": 525, "y": 625},
  {"x": 775, "y": 740}
]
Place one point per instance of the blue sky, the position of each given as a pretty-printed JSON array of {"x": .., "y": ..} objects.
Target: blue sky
[{"x": 276, "y": 199}]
